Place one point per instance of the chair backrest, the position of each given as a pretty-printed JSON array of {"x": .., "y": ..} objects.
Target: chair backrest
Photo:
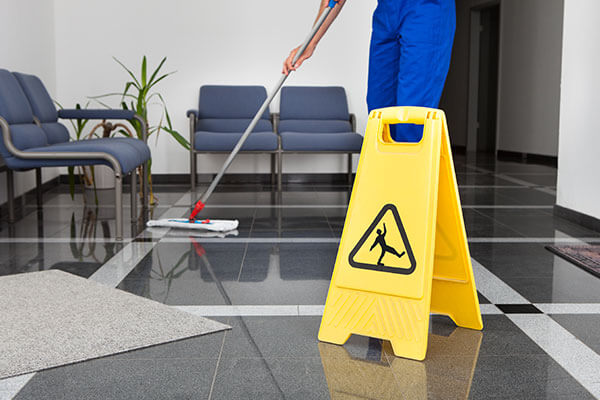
[
  {"x": 313, "y": 109},
  {"x": 15, "y": 109},
  {"x": 43, "y": 107},
  {"x": 230, "y": 109}
]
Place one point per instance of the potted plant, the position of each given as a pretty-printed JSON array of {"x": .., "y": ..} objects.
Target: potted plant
[{"x": 138, "y": 95}]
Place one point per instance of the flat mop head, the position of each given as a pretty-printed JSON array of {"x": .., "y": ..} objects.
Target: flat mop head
[{"x": 213, "y": 225}]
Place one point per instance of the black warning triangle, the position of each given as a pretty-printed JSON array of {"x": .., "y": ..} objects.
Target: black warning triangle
[{"x": 380, "y": 243}]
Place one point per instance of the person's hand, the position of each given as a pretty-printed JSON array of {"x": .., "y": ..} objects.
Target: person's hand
[{"x": 287, "y": 64}]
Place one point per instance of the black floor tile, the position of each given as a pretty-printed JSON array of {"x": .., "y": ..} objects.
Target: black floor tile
[
  {"x": 284, "y": 274},
  {"x": 480, "y": 179},
  {"x": 536, "y": 223},
  {"x": 291, "y": 222},
  {"x": 78, "y": 258},
  {"x": 479, "y": 225},
  {"x": 537, "y": 274},
  {"x": 543, "y": 179},
  {"x": 186, "y": 273},
  {"x": 519, "y": 309},
  {"x": 528, "y": 196}
]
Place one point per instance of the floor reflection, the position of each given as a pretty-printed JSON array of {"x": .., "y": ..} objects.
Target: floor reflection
[{"x": 373, "y": 371}]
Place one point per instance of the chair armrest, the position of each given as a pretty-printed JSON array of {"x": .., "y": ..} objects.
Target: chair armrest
[
  {"x": 105, "y": 114},
  {"x": 96, "y": 114},
  {"x": 275, "y": 122},
  {"x": 32, "y": 155},
  {"x": 353, "y": 122},
  {"x": 192, "y": 112}
]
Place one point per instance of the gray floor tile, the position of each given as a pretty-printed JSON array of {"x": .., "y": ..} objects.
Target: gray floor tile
[
  {"x": 124, "y": 379},
  {"x": 270, "y": 378},
  {"x": 584, "y": 326},
  {"x": 524, "y": 377}
]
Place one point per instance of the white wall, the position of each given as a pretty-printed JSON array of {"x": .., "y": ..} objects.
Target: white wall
[
  {"x": 579, "y": 142},
  {"x": 27, "y": 45},
  {"x": 529, "y": 88},
  {"x": 209, "y": 42}
]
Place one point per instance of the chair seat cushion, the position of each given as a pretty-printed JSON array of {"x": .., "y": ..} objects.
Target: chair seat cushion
[
  {"x": 137, "y": 144},
  {"x": 219, "y": 141},
  {"x": 346, "y": 142},
  {"x": 130, "y": 153},
  {"x": 55, "y": 132}
]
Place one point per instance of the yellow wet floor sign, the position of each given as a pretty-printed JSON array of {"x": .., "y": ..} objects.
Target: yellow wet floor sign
[{"x": 403, "y": 252}]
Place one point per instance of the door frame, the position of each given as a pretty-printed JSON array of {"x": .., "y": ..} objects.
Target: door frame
[{"x": 473, "y": 95}]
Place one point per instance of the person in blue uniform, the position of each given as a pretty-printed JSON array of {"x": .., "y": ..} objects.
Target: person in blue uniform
[{"x": 411, "y": 46}]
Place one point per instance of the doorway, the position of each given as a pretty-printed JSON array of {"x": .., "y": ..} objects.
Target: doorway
[{"x": 483, "y": 85}]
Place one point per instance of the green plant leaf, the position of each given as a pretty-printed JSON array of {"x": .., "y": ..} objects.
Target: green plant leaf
[
  {"x": 156, "y": 70},
  {"x": 177, "y": 136},
  {"x": 144, "y": 62},
  {"x": 100, "y": 102},
  {"x": 128, "y": 71},
  {"x": 112, "y": 95},
  {"x": 169, "y": 125},
  {"x": 150, "y": 85}
]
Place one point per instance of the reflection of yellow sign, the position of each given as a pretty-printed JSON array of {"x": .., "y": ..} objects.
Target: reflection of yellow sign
[
  {"x": 403, "y": 252},
  {"x": 447, "y": 374}
]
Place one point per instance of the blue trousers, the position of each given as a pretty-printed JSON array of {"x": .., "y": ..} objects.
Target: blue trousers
[{"x": 410, "y": 52}]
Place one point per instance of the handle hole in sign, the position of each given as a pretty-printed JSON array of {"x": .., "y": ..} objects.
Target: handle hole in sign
[{"x": 405, "y": 133}]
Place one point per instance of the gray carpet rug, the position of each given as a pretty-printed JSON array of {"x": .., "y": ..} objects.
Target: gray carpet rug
[{"x": 53, "y": 318}]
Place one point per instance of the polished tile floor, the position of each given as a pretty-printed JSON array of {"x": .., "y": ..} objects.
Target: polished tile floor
[{"x": 269, "y": 282}]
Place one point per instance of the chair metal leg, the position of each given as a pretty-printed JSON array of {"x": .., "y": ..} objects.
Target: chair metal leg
[
  {"x": 273, "y": 167},
  {"x": 134, "y": 202},
  {"x": 193, "y": 156},
  {"x": 145, "y": 189},
  {"x": 10, "y": 191},
  {"x": 119, "y": 205},
  {"x": 38, "y": 186},
  {"x": 279, "y": 170},
  {"x": 350, "y": 169}
]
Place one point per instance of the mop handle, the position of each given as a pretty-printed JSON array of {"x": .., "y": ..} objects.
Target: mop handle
[{"x": 200, "y": 204}]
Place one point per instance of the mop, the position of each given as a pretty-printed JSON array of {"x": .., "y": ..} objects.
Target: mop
[{"x": 220, "y": 225}]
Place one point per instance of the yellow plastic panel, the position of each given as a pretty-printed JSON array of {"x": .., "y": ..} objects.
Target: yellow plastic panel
[{"x": 384, "y": 272}]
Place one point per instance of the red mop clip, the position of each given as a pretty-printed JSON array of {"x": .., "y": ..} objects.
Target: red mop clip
[{"x": 199, "y": 206}]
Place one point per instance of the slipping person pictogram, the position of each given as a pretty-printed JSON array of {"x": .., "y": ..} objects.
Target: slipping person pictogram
[{"x": 380, "y": 240}]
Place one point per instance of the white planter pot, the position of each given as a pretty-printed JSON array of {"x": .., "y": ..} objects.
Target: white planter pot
[
  {"x": 106, "y": 197},
  {"x": 103, "y": 175}
]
